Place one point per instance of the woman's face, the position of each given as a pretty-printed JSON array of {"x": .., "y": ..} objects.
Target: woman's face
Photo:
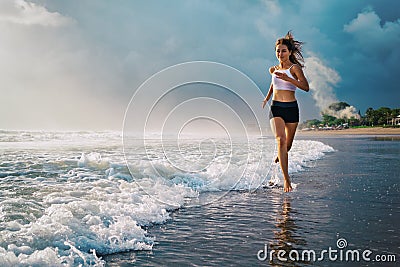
[{"x": 282, "y": 52}]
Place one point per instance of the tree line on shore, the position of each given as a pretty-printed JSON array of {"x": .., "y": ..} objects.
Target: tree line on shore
[{"x": 380, "y": 117}]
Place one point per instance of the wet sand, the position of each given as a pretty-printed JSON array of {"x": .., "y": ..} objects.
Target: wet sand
[{"x": 350, "y": 195}]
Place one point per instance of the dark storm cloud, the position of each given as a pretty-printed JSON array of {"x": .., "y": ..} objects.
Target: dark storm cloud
[{"x": 94, "y": 54}]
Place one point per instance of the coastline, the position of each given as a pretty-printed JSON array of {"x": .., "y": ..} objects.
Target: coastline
[
  {"x": 352, "y": 131},
  {"x": 349, "y": 195}
]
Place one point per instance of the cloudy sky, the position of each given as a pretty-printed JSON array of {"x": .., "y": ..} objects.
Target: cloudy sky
[{"x": 75, "y": 64}]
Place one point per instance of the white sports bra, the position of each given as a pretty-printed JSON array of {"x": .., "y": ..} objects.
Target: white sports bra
[{"x": 279, "y": 84}]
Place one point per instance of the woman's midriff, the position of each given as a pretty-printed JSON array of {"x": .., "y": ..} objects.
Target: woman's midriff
[{"x": 284, "y": 96}]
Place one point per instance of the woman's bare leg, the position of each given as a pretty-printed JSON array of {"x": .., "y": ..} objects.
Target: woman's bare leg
[
  {"x": 280, "y": 135},
  {"x": 290, "y": 129}
]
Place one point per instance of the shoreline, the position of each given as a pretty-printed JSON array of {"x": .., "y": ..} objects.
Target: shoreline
[
  {"x": 333, "y": 196},
  {"x": 352, "y": 131}
]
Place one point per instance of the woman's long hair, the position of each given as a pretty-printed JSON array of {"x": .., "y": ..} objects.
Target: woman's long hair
[{"x": 294, "y": 46}]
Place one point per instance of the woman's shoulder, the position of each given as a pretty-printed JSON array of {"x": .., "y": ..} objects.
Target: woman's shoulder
[
  {"x": 295, "y": 68},
  {"x": 272, "y": 69}
]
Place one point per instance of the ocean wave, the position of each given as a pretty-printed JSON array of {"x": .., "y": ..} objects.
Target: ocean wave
[{"x": 85, "y": 204}]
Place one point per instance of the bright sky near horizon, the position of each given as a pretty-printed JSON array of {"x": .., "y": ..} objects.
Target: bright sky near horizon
[{"x": 74, "y": 65}]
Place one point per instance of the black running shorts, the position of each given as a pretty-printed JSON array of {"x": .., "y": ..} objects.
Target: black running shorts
[{"x": 288, "y": 111}]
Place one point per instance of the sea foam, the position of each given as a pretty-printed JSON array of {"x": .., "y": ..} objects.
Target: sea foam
[{"x": 86, "y": 199}]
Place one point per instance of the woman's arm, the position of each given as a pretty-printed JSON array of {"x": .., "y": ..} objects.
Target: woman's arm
[
  {"x": 271, "y": 89},
  {"x": 301, "y": 81}
]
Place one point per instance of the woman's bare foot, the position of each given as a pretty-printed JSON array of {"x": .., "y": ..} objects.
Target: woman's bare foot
[{"x": 287, "y": 187}]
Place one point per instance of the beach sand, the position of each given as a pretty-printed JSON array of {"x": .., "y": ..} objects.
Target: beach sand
[{"x": 352, "y": 131}]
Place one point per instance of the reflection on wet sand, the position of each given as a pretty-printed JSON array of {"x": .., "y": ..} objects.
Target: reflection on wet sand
[{"x": 286, "y": 236}]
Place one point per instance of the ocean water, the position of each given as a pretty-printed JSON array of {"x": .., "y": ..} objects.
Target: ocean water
[
  {"x": 346, "y": 202},
  {"x": 84, "y": 199}
]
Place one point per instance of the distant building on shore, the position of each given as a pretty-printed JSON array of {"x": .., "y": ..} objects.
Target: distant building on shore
[{"x": 394, "y": 120}]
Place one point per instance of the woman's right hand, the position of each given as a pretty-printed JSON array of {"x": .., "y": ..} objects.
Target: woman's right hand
[{"x": 264, "y": 102}]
